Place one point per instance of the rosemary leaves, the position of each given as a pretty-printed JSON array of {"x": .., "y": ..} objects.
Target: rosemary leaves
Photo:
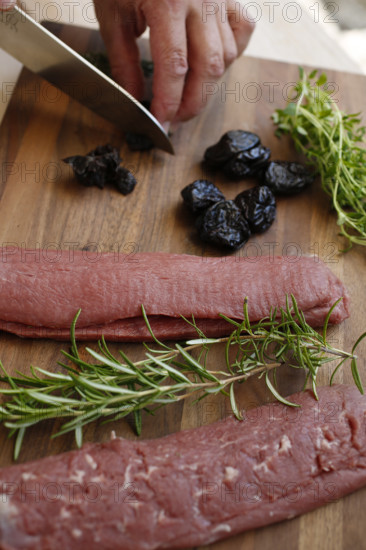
[{"x": 110, "y": 387}]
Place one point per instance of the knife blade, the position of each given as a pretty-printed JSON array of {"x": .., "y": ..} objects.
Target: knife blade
[{"x": 46, "y": 55}]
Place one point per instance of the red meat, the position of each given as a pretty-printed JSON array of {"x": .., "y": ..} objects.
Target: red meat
[
  {"x": 193, "y": 487},
  {"x": 40, "y": 293}
]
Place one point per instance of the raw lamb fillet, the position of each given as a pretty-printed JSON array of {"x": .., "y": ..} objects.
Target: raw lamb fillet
[
  {"x": 40, "y": 293},
  {"x": 193, "y": 487}
]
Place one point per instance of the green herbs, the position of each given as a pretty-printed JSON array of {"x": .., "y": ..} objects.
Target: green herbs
[
  {"x": 330, "y": 139},
  {"x": 109, "y": 387}
]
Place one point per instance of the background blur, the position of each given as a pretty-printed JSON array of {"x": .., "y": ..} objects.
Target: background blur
[
  {"x": 350, "y": 29},
  {"x": 282, "y": 32}
]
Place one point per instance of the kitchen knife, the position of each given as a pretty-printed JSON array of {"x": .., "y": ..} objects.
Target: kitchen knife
[{"x": 46, "y": 55}]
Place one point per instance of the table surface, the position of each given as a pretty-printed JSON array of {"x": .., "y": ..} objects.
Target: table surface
[{"x": 295, "y": 32}]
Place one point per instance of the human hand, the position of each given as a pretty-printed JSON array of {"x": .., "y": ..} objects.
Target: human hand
[
  {"x": 192, "y": 42},
  {"x": 7, "y": 4}
]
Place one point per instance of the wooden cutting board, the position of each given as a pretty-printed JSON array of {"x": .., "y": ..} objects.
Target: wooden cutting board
[{"x": 43, "y": 207}]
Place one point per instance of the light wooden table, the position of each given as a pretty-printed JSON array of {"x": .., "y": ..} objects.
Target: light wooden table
[{"x": 295, "y": 32}]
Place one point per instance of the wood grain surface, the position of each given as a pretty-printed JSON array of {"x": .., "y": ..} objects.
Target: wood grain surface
[{"x": 43, "y": 207}]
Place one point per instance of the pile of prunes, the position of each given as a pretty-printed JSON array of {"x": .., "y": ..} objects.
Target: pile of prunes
[
  {"x": 230, "y": 223},
  {"x": 100, "y": 167}
]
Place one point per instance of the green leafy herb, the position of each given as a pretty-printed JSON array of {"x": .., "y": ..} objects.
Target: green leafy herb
[
  {"x": 330, "y": 139},
  {"x": 110, "y": 388}
]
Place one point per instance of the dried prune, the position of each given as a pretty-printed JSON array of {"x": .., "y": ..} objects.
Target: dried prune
[
  {"x": 248, "y": 163},
  {"x": 101, "y": 166},
  {"x": 223, "y": 224},
  {"x": 285, "y": 178},
  {"x": 100, "y": 61},
  {"x": 96, "y": 167},
  {"x": 107, "y": 156},
  {"x": 258, "y": 206},
  {"x": 124, "y": 180},
  {"x": 106, "y": 151},
  {"x": 231, "y": 143},
  {"x": 138, "y": 142},
  {"x": 88, "y": 170},
  {"x": 201, "y": 194}
]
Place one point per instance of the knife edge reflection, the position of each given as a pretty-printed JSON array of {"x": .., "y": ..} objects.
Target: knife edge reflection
[{"x": 46, "y": 55}]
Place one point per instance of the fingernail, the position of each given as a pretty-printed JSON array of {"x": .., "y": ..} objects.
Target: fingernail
[{"x": 166, "y": 126}]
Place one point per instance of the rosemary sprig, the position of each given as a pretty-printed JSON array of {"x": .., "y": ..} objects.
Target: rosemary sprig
[
  {"x": 109, "y": 387},
  {"x": 330, "y": 139}
]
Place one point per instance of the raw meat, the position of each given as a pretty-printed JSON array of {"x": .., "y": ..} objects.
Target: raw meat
[
  {"x": 40, "y": 292},
  {"x": 193, "y": 487}
]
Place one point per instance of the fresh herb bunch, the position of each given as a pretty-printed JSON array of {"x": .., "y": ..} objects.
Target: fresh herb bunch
[
  {"x": 330, "y": 139},
  {"x": 113, "y": 387}
]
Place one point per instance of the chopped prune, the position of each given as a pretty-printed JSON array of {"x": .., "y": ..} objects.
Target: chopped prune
[
  {"x": 96, "y": 167},
  {"x": 124, "y": 180},
  {"x": 101, "y": 166},
  {"x": 285, "y": 178},
  {"x": 138, "y": 142},
  {"x": 230, "y": 144},
  {"x": 201, "y": 194},
  {"x": 107, "y": 156},
  {"x": 248, "y": 163},
  {"x": 88, "y": 170},
  {"x": 258, "y": 206},
  {"x": 106, "y": 150},
  {"x": 100, "y": 61},
  {"x": 223, "y": 224}
]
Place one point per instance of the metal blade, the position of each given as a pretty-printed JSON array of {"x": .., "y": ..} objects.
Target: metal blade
[{"x": 44, "y": 54}]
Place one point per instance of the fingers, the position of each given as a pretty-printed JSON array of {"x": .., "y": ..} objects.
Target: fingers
[
  {"x": 119, "y": 27},
  {"x": 186, "y": 59},
  {"x": 213, "y": 45},
  {"x": 189, "y": 47},
  {"x": 214, "y": 42},
  {"x": 168, "y": 45},
  {"x": 207, "y": 55},
  {"x": 124, "y": 59},
  {"x": 7, "y": 4},
  {"x": 241, "y": 27},
  {"x": 230, "y": 47}
]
